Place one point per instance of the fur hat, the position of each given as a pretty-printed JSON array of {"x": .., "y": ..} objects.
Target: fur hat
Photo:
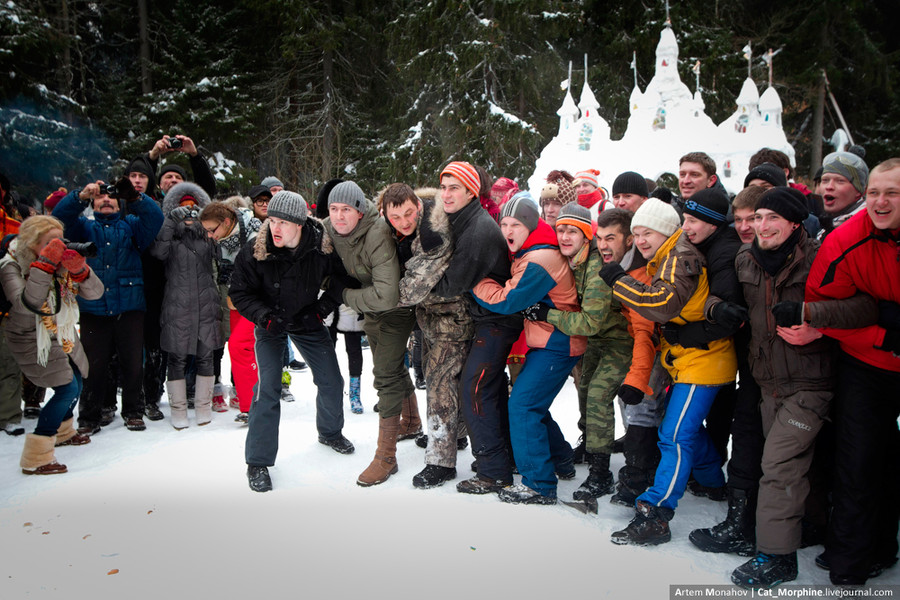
[
  {"x": 656, "y": 215},
  {"x": 288, "y": 206},
  {"x": 630, "y": 182},
  {"x": 347, "y": 192},
  {"x": 577, "y": 216},
  {"x": 523, "y": 208},
  {"x": 767, "y": 172},
  {"x": 710, "y": 205},
  {"x": 181, "y": 192},
  {"x": 466, "y": 173}
]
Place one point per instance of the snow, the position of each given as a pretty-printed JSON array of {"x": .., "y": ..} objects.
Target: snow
[
  {"x": 510, "y": 118},
  {"x": 165, "y": 513}
]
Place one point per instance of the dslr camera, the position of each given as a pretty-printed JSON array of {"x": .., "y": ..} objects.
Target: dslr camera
[
  {"x": 174, "y": 142},
  {"x": 86, "y": 249}
]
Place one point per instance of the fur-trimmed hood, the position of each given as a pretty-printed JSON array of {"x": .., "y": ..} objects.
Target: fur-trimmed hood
[
  {"x": 178, "y": 191},
  {"x": 263, "y": 248}
]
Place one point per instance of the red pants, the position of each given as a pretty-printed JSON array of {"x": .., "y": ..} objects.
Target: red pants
[{"x": 241, "y": 350}]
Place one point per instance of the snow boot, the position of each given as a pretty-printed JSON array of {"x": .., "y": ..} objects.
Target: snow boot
[
  {"x": 641, "y": 458},
  {"x": 356, "y": 406},
  {"x": 579, "y": 451},
  {"x": 37, "y": 456},
  {"x": 433, "y": 476},
  {"x": 716, "y": 494},
  {"x": 177, "y": 391},
  {"x": 203, "y": 399},
  {"x": 410, "y": 423},
  {"x": 736, "y": 534},
  {"x": 522, "y": 494},
  {"x": 66, "y": 435},
  {"x": 218, "y": 398},
  {"x": 482, "y": 485},
  {"x": 258, "y": 478},
  {"x": 385, "y": 462},
  {"x": 649, "y": 527},
  {"x": 765, "y": 571},
  {"x": 599, "y": 481},
  {"x": 286, "y": 395}
]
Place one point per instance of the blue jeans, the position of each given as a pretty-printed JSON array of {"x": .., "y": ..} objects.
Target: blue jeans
[
  {"x": 538, "y": 444},
  {"x": 685, "y": 446},
  {"x": 317, "y": 350},
  {"x": 60, "y": 406}
]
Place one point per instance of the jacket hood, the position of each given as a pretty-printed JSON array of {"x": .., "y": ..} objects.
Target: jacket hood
[{"x": 178, "y": 191}]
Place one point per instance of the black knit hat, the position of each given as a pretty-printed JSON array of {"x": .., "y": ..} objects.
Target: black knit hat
[
  {"x": 767, "y": 172},
  {"x": 176, "y": 169},
  {"x": 787, "y": 202},
  {"x": 630, "y": 182},
  {"x": 710, "y": 205},
  {"x": 140, "y": 165}
]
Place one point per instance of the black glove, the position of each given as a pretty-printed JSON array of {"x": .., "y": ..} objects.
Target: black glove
[
  {"x": 126, "y": 191},
  {"x": 351, "y": 282},
  {"x": 630, "y": 395},
  {"x": 274, "y": 323},
  {"x": 788, "y": 314},
  {"x": 536, "y": 312},
  {"x": 670, "y": 333},
  {"x": 611, "y": 273},
  {"x": 888, "y": 314},
  {"x": 729, "y": 314},
  {"x": 325, "y": 306},
  {"x": 891, "y": 342}
]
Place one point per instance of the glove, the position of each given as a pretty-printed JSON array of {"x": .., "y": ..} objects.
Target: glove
[
  {"x": 671, "y": 333},
  {"x": 788, "y": 314},
  {"x": 126, "y": 191},
  {"x": 76, "y": 265},
  {"x": 325, "y": 306},
  {"x": 888, "y": 314},
  {"x": 274, "y": 323},
  {"x": 180, "y": 213},
  {"x": 630, "y": 395},
  {"x": 729, "y": 314},
  {"x": 611, "y": 273},
  {"x": 351, "y": 282},
  {"x": 536, "y": 312},
  {"x": 891, "y": 342},
  {"x": 48, "y": 261}
]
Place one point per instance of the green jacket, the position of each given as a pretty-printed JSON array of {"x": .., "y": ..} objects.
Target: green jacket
[
  {"x": 600, "y": 316},
  {"x": 369, "y": 255}
]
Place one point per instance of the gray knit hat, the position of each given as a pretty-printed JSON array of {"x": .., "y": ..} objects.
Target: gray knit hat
[
  {"x": 288, "y": 206},
  {"x": 522, "y": 207},
  {"x": 850, "y": 166},
  {"x": 347, "y": 192},
  {"x": 270, "y": 181}
]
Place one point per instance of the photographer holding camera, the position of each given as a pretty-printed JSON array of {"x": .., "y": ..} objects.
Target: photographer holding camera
[
  {"x": 172, "y": 174},
  {"x": 114, "y": 322}
]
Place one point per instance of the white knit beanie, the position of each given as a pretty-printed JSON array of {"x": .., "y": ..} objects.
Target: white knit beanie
[{"x": 656, "y": 215}]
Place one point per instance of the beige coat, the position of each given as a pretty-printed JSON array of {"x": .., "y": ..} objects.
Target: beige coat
[{"x": 21, "y": 332}]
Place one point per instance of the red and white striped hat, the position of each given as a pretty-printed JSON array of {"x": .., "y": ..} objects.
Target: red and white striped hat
[
  {"x": 589, "y": 176},
  {"x": 466, "y": 173}
]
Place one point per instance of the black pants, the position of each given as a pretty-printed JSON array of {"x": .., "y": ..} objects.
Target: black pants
[
  {"x": 866, "y": 496},
  {"x": 100, "y": 336},
  {"x": 747, "y": 438}
]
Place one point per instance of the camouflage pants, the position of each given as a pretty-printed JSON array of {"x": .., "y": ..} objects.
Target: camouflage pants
[
  {"x": 605, "y": 364},
  {"x": 443, "y": 362}
]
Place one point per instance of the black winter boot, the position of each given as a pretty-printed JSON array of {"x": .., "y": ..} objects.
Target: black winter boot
[
  {"x": 258, "y": 477},
  {"x": 599, "y": 481},
  {"x": 649, "y": 527},
  {"x": 579, "y": 451},
  {"x": 766, "y": 571},
  {"x": 736, "y": 534},
  {"x": 641, "y": 458},
  {"x": 433, "y": 476}
]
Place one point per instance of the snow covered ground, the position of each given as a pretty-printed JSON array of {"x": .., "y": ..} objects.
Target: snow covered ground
[{"x": 163, "y": 513}]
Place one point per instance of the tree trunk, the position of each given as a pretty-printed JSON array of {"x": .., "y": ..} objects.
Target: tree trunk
[
  {"x": 328, "y": 136},
  {"x": 818, "y": 128},
  {"x": 66, "y": 76},
  {"x": 143, "y": 24}
]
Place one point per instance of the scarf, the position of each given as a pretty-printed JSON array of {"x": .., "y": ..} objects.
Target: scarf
[{"x": 772, "y": 260}]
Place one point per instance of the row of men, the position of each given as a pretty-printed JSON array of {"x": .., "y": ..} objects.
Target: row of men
[{"x": 468, "y": 297}]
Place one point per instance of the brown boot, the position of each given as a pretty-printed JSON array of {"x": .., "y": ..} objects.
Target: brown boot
[
  {"x": 385, "y": 462},
  {"x": 67, "y": 436},
  {"x": 38, "y": 457},
  {"x": 410, "y": 423}
]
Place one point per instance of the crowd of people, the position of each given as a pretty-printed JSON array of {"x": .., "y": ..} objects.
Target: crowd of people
[{"x": 760, "y": 331}]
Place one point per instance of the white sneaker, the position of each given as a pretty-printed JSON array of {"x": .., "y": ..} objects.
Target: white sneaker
[{"x": 286, "y": 395}]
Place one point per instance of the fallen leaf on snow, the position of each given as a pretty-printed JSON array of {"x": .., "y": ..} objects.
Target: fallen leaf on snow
[{"x": 113, "y": 571}]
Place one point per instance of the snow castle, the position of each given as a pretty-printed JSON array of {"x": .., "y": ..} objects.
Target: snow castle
[{"x": 666, "y": 122}]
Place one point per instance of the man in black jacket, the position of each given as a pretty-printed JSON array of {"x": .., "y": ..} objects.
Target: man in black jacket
[{"x": 276, "y": 285}]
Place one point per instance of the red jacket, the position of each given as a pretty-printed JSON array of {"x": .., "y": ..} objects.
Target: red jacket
[
  {"x": 858, "y": 257},
  {"x": 7, "y": 224}
]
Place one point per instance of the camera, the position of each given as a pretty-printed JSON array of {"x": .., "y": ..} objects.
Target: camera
[
  {"x": 86, "y": 249},
  {"x": 110, "y": 190},
  {"x": 174, "y": 142}
]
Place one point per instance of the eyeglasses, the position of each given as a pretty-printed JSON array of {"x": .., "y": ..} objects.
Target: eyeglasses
[
  {"x": 261, "y": 201},
  {"x": 212, "y": 232}
]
